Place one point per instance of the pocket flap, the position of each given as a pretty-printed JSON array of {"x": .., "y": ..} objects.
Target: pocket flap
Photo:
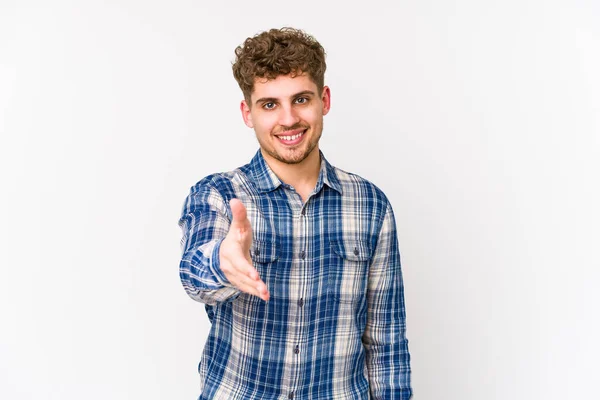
[
  {"x": 353, "y": 250},
  {"x": 264, "y": 252}
]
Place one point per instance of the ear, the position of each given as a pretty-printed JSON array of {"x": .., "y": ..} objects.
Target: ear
[
  {"x": 326, "y": 99},
  {"x": 246, "y": 115}
]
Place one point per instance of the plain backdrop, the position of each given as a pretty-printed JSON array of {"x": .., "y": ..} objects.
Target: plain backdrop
[{"x": 479, "y": 119}]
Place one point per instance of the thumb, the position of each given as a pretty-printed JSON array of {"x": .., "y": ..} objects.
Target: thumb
[
  {"x": 240, "y": 225},
  {"x": 238, "y": 212}
]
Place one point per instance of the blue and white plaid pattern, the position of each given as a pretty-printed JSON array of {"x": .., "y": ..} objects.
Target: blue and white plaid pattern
[{"x": 334, "y": 327}]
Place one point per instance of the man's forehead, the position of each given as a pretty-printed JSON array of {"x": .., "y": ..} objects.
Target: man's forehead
[{"x": 282, "y": 86}]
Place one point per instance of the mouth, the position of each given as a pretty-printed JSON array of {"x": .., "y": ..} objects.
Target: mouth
[{"x": 292, "y": 137}]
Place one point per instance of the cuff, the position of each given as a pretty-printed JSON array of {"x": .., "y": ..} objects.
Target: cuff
[{"x": 215, "y": 265}]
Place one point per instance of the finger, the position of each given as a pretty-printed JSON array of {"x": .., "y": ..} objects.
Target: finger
[
  {"x": 264, "y": 292},
  {"x": 243, "y": 266},
  {"x": 256, "y": 288},
  {"x": 246, "y": 278}
]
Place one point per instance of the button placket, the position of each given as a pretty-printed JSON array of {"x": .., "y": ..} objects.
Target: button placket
[{"x": 301, "y": 225}]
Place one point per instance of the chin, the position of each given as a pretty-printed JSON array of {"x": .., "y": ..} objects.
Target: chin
[{"x": 291, "y": 159}]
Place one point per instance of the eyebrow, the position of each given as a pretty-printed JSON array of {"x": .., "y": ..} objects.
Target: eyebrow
[{"x": 274, "y": 99}]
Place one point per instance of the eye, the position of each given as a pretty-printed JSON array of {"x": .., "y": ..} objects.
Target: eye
[
  {"x": 301, "y": 100},
  {"x": 269, "y": 106}
]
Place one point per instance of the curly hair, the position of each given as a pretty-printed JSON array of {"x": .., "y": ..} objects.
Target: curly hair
[{"x": 278, "y": 52}]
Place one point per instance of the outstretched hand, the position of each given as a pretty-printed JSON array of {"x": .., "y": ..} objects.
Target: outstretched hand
[{"x": 234, "y": 254}]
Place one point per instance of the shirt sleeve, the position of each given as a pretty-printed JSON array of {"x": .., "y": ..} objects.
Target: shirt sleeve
[
  {"x": 384, "y": 339},
  {"x": 204, "y": 224}
]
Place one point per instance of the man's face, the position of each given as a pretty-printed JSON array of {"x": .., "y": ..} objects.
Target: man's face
[{"x": 287, "y": 116}]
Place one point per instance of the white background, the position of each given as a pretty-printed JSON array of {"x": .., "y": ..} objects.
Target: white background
[{"x": 479, "y": 119}]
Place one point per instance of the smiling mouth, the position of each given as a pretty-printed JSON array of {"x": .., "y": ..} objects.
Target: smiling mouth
[{"x": 292, "y": 139}]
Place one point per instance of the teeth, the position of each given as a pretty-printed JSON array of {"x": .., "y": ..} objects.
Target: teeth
[{"x": 290, "y": 138}]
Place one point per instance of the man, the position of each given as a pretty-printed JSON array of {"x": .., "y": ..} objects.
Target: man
[{"x": 297, "y": 261}]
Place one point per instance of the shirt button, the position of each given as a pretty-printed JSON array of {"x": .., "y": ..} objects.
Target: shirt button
[
  {"x": 303, "y": 254},
  {"x": 297, "y": 350},
  {"x": 291, "y": 395},
  {"x": 304, "y": 211},
  {"x": 300, "y": 303},
  {"x": 355, "y": 251},
  {"x": 257, "y": 251}
]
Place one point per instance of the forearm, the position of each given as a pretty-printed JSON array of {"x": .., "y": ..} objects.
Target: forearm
[
  {"x": 204, "y": 223},
  {"x": 202, "y": 278},
  {"x": 389, "y": 370},
  {"x": 386, "y": 347},
  {"x": 384, "y": 339}
]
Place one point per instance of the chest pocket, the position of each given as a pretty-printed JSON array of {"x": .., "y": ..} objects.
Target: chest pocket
[
  {"x": 263, "y": 251},
  {"x": 264, "y": 256},
  {"x": 349, "y": 269}
]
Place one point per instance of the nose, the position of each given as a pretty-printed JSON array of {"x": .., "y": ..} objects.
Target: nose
[{"x": 288, "y": 116}]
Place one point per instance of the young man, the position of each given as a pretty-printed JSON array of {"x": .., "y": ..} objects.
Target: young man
[{"x": 297, "y": 261}]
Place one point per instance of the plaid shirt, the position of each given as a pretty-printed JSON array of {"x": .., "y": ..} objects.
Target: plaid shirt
[{"x": 334, "y": 327}]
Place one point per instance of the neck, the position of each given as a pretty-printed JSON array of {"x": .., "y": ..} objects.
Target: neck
[{"x": 302, "y": 176}]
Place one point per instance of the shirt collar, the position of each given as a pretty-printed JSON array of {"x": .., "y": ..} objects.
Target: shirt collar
[{"x": 265, "y": 179}]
